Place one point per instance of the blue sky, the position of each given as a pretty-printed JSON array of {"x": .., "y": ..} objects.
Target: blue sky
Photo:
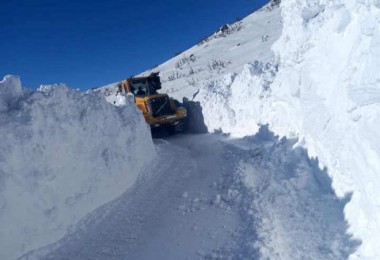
[{"x": 89, "y": 43}]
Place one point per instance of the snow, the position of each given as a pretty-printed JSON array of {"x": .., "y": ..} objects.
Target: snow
[
  {"x": 304, "y": 186},
  {"x": 63, "y": 153},
  {"x": 244, "y": 42},
  {"x": 320, "y": 85},
  {"x": 168, "y": 214},
  {"x": 209, "y": 196},
  {"x": 337, "y": 109},
  {"x": 294, "y": 212}
]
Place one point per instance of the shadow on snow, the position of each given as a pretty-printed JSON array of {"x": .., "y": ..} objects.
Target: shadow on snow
[{"x": 287, "y": 202}]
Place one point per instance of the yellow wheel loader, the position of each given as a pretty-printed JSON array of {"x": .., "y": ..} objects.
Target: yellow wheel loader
[{"x": 158, "y": 109}]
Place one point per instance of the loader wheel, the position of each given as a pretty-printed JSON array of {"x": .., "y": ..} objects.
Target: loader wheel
[
  {"x": 180, "y": 127},
  {"x": 170, "y": 129}
]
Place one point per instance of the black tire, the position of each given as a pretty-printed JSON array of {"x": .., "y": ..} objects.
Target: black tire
[
  {"x": 180, "y": 127},
  {"x": 170, "y": 129}
]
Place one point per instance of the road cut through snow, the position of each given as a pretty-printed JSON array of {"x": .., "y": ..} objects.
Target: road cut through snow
[
  {"x": 173, "y": 212},
  {"x": 211, "y": 197}
]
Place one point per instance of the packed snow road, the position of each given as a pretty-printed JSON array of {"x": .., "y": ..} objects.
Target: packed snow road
[{"x": 211, "y": 197}]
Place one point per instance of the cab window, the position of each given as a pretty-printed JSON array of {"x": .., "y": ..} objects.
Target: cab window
[{"x": 139, "y": 87}]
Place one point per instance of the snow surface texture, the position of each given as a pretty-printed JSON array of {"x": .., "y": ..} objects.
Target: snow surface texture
[
  {"x": 249, "y": 198},
  {"x": 329, "y": 84},
  {"x": 321, "y": 85},
  {"x": 326, "y": 93},
  {"x": 286, "y": 201},
  {"x": 63, "y": 154}
]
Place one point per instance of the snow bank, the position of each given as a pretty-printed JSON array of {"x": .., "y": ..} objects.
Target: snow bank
[
  {"x": 286, "y": 202},
  {"x": 63, "y": 153},
  {"x": 329, "y": 76},
  {"x": 326, "y": 92}
]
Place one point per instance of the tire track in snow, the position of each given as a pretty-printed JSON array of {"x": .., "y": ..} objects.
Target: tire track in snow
[
  {"x": 172, "y": 212},
  {"x": 210, "y": 197}
]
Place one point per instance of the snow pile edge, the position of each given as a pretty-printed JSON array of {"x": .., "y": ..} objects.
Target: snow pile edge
[{"x": 63, "y": 153}]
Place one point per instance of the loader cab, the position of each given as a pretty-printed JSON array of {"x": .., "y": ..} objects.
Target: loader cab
[{"x": 144, "y": 86}]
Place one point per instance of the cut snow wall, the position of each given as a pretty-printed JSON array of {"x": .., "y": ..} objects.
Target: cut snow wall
[
  {"x": 329, "y": 83},
  {"x": 231, "y": 105},
  {"x": 63, "y": 153},
  {"x": 326, "y": 92}
]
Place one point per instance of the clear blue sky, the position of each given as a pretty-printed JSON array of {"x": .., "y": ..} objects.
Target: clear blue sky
[{"x": 89, "y": 43}]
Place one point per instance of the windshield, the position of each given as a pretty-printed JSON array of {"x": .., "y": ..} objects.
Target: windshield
[
  {"x": 145, "y": 86},
  {"x": 139, "y": 87}
]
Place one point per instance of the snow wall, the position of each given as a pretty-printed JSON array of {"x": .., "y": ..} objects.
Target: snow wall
[
  {"x": 63, "y": 153},
  {"x": 324, "y": 89}
]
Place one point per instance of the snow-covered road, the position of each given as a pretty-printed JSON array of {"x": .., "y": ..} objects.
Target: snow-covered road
[
  {"x": 211, "y": 197},
  {"x": 173, "y": 212}
]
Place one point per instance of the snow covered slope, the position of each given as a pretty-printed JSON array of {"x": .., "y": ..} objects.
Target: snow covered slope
[
  {"x": 225, "y": 51},
  {"x": 63, "y": 154}
]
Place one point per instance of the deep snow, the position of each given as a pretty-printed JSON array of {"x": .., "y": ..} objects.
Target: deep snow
[
  {"x": 63, "y": 154},
  {"x": 320, "y": 84},
  {"x": 211, "y": 197},
  {"x": 329, "y": 75},
  {"x": 319, "y": 87}
]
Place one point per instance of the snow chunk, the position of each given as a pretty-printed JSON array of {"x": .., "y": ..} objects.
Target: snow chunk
[{"x": 10, "y": 92}]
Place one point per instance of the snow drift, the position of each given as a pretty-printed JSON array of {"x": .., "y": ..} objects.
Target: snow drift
[{"x": 63, "y": 153}]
